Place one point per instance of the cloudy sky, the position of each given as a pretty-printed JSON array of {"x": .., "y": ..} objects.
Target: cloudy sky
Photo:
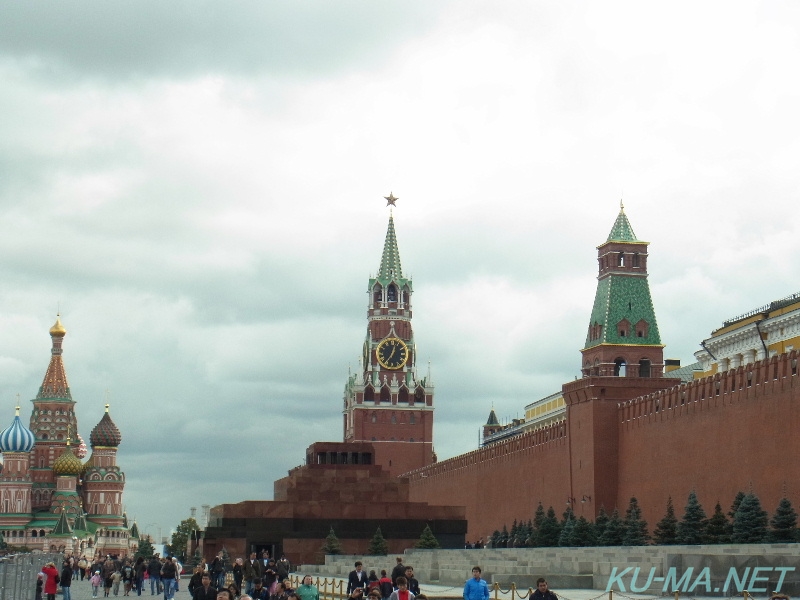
[{"x": 198, "y": 187}]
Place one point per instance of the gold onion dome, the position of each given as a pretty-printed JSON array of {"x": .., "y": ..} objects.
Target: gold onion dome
[
  {"x": 58, "y": 329},
  {"x": 105, "y": 433},
  {"x": 67, "y": 463}
]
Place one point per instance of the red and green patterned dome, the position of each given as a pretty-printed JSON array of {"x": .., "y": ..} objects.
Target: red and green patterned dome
[{"x": 105, "y": 433}]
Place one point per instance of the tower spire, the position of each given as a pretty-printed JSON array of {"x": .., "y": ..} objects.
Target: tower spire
[
  {"x": 55, "y": 383},
  {"x": 390, "y": 259},
  {"x": 622, "y": 230}
]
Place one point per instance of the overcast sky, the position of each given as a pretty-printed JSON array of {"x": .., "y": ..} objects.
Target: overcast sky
[{"x": 198, "y": 186}]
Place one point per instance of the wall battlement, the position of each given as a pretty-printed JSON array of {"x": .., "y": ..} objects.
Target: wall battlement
[
  {"x": 531, "y": 441},
  {"x": 756, "y": 380}
]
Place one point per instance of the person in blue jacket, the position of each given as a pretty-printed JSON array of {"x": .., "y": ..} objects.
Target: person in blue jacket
[{"x": 476, "y": 588}]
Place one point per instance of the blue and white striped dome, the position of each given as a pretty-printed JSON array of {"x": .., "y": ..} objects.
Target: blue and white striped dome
[{"x": 16, "y": 438}]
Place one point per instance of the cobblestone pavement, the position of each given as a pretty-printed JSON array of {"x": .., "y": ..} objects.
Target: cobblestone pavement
[{"x": 82, "y": 590}]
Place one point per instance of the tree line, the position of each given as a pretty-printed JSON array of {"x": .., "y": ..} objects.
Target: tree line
[{"x": 745, "y": 523}]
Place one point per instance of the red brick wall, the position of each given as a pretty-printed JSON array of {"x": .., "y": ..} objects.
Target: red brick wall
[
  {"x": 499, "y": 483},
  {"x": 647, "y": 438},
  {"x": 716, "y": 436}
]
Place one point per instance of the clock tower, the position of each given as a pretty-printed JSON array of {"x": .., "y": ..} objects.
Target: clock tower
[{"x": 386, "y": 402}]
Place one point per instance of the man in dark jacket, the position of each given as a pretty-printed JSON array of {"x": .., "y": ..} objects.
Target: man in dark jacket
[
  {"x": 357, "y": 578},
  {"x": 169, "y": 571},
  {"x": 252, "y": 571},
  {"x": 154, "y": 572},
  {"x": 66, "y": 579},
  {"x": 398, "y": 571},
  {"x": 205, "y": 591}
]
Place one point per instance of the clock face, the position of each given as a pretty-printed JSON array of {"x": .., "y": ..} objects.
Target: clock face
[{"x": 392, "y": 353}]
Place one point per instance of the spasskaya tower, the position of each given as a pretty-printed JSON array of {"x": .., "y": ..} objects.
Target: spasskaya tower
[{"x": 386, "y": 402}]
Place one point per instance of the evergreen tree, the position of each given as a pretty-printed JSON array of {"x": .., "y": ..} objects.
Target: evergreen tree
[
  {"x": 717, "y": 528},
  {"x": 503, "y": 538},
  {"x": 495, "y": 539},
  {"x": 614, "y": 532},
  {"x": 600, "y": 523},
  {"x": 427, "y": 540},
  {"x": 548, "y": 533},
  {"x": 513, "y": 534},
  {"x": 635, "y": 525},
  {"x": 583, "y": 533},
  {"x": 666, "y": 530},
  {"x": 378, "y": 545},
  {"x": 692, "y": 528},
  {"x": 732, "y": 513},
  {"x": 567, "y": 529},
  {"x": 783, "y": 525},
  {"x": 529, "y": 535},
  {"x": 538, "y": 518},
  {"x": 331, "y": 545},
  {"x": 750, "y": 522},
  {"x": 145, "y": 549}
]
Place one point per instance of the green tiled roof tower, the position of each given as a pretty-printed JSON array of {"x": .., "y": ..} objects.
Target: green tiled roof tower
[{"x": 623, "y": 337}]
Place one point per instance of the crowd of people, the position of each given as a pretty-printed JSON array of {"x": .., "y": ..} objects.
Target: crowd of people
[{"x": 254, "y": 578}]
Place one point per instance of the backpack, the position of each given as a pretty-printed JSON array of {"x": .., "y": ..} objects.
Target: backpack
[{"x": 386, "y": 589}]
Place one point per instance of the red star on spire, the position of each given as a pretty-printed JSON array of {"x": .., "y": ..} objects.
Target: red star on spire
[{"x": 390, "y": 199}]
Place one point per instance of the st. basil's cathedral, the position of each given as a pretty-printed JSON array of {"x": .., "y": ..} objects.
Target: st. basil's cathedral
[{"x": 50, "y": 499}]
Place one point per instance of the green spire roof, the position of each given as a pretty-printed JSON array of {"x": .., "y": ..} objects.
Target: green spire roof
[
  {"x": 62, "y": 528},
  {"x": 492, "y": 419},
  {"x": 390, "y": 261},
  {"x": 622, "y": 230},
  {"x": 619, "y": 299},
  {"x": 80, "y": 523}
]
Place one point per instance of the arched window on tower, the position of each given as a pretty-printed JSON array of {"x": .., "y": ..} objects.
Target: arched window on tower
[
  {"x": 374, "y": 417},
  {"x": 620, "y": 367},
  {"x": 596, "y": 368},
  {"x": 386, "y": 395},
  {"x": 377, "y": 294},
  {"x": 391, "y": 293},
  {"x": 635, "y": 260},
  {"x": 621, "y": 259},
  {"x": 402, "y": 395},
  {"x": 369, "y": 394},
  {"x": 412, "y": 419},
  {"x": 394, "y": 419}
]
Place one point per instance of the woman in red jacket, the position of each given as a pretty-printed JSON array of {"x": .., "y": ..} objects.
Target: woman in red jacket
[{"x": 51, "y": 585}]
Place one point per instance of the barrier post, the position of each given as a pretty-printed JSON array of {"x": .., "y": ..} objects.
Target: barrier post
[{"x": 677, "y": 594}]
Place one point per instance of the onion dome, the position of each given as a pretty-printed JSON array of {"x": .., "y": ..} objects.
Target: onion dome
[
  {"x": 67, "y": 464},
  {"x": 81, "y": 451},
  {"x": 58, "y": 329},
  {"x": 105, "y": 433},
  {"x": 17, "y": 437}
]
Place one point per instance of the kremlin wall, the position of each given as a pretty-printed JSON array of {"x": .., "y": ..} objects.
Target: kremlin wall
[
  {"x": 634, "y": 424},
  {"x": 627, "y": 428}
]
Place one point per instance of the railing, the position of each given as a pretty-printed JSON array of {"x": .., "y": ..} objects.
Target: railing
[
  {"x": 791, "y": 299},
  {"x": 18, "y": 573},
  {"x": 335, "y": 589}
]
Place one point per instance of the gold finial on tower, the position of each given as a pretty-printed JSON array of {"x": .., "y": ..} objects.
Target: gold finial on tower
[
  {"x": 58, "y": 330},
  {"x": 107, "y": 405}
]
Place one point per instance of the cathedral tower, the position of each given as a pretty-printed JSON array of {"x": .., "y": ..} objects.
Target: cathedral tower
[
  {"x": 623, "y": 338},
  {"x": 386, "y": 402},
  {"x": 52, "y": 418},
  {"x": 16, "y": 442}
]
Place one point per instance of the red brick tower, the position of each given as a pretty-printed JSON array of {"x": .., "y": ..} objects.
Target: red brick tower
[
  {"x": 387, "y": 403},
  {"x": 623, "y": 338},
  {"x": 622, "y": 359}
]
